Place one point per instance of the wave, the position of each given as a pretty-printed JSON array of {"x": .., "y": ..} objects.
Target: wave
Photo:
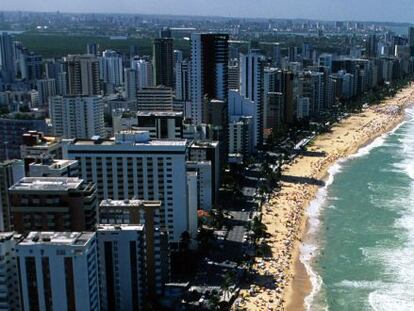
[{"x": 310, "y": 248}]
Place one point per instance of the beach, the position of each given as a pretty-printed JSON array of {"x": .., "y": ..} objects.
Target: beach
[{"x": 280, "y": 279}]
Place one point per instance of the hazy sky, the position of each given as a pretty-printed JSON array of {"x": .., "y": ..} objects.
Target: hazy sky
[{"x": 379, "y": 10}]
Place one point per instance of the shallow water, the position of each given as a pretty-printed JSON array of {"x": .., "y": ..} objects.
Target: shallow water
[{"x": 360, "y": 248}]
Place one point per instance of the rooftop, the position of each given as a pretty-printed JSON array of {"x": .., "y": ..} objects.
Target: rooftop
[
  {"x": 159, "y": 114},
  {"x": 47, "y": 184},
  {"x": 57, "y": 238},
  {"x": 123, "y": 227},
  {"x": 204, "y": 144},
  {"x": 129, "y": 203}
]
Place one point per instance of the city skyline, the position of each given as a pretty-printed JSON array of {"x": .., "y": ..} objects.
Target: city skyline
[{"x": 365, "y": 10}]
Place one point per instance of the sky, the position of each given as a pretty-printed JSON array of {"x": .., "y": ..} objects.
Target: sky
[{"x": 361, "y": 10}]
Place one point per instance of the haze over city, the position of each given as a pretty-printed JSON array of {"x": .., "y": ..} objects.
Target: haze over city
[{"x": 358, "y": 10}]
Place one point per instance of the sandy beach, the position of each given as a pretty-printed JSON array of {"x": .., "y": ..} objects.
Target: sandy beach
[{"x": 281, "y": 281}]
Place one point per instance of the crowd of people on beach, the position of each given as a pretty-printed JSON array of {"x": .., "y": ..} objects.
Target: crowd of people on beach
[{"x": 284, "y": 217}]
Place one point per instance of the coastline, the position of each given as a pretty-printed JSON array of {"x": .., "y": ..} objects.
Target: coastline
[{"x": 282, "y": 282}]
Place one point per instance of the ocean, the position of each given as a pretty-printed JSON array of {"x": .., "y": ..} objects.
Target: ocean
[{"x": 359, "y": 251}]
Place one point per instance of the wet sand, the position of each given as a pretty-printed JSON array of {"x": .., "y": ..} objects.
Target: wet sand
[{"x": 281, "y": 281}]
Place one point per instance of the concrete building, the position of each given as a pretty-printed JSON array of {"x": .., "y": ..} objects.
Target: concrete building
[
  {"x": 155, "y": 99},
  {"x": 241, "y": 136},
  {"x": 134, "y": 166},
  {"x": 7, "y": 58},
  {"x": 122, "y": 267},
  {"x": 204, "y": 183},
  {"x": 59, "y": 271},
  {"x": 9, "y": 281},
  {"x": 46, "y": 89},
  {"x": 303, "y": 109},
  {"x": 111, "y": 68},
  {"x": 144, "y": 70},
  {"x": 53, "y": 168},
  {"x": 146, "y": 213},
  {"x": 161, "y": 124},
  {"x": 209, "y": 71},
  {"x": 234, "y": 75},
  {"x": 10, "y": 173},
  {"x": 251, "y": 88},
  {"x": 36, "y": 146},
  {"x": 182, "y": 80},
  {"x": 204, "y": 150},
  {"x": 163, "y": 62},
  {"x": 131, "y": 83},
  {"x": 275, "y": 109},
  {"x": 53, "y": 204},
  {"x": 83, "y": 75},
  {"x": 11, "y": 133},
  {"x": 77, "y": 116}
]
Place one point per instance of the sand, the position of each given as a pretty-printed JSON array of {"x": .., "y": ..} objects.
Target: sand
[{"x": 281, "y": 281}]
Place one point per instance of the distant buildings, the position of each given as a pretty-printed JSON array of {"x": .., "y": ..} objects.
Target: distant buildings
[{"x": 77, "y": 116}]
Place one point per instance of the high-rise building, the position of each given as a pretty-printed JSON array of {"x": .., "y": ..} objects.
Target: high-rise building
[
  {"x": 161, "y": 124},
  {"x": 202, "y": 151},
  {"x": 275, "y": 111},
  {"x": 46, "y": 89},
  {"x": 241, "y": 136},
  {"x": 134, "y": 166},
  {"x": 131, "y": 83},
  {"x": 411, "y": 40},
  {"x": 92, "y": 49},
  {"x": 182, "y": 80},
  {"x": 59, "y": 270},
  {"x": 144, "y": 71},
  {"x": 209, "y": 71},
  {"x": 204, "y": 183},
  {"x": 122, "y": 267},
  {"x": 77, "y": 116},
  {"x": 147, "y": 213},
  {"x": 11, "y": 133},
  {"x": 111, "y": 68},
  {"x": 9, "y": 281},
  {"x": 251, "y": 87},
  {"x": 10, "y": 173},
  {"x": 30, "y": 65},
  {"x": 53, "y": 204},
  {"x": 37, "y": 146},
  {"x": 53, "y": 168},
  {"x": 277, "y": 55},
  {"x": 83, "y": 75},
  {"x": 371, "y": 47},
  {"x": 234, "y": 75},
  {"x": 272, "y": 82},
  {"x": 325, "y": 60},
  {"x": 155, "y": 99},
  {"x": 6, "y": 58},
  {"x": 163, "y": 62},
  {"x": 312, "y": 87}
]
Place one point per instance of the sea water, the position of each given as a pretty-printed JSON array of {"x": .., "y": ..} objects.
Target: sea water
[{"x": 359, "y": 251}]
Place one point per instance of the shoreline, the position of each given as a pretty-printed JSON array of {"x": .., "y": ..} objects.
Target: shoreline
[{"x": 282, "y": 282}]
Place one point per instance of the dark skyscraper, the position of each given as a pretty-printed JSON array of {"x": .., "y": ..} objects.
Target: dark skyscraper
[
  {"x": 6, "y": 58},
  {"x": 411, "y": 40},
  {"x": 163, "y": 61}
]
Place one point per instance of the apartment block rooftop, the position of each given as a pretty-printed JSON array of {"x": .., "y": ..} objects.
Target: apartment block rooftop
[
  {"x": 47, "y": 184},
  {"x": 57, "y": 238},
  {"x": 131, "y": 138},
  {"x": 123, "y": 227},
  {"x": 129, "y": 203},
  {"x": 172, "y": 114}
]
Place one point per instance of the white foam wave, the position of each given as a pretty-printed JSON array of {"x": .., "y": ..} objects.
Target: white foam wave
[{"x": 309, "y": 249}]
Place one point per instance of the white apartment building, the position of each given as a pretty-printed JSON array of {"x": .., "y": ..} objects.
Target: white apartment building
[
  {"x": 59, "y": 270},
  {"x": 205, "y": 183},
  {"x": 9, "y": 281},
  {"x": 122, "y": 266},
  {"x": 131, "y": 166},
  {"x": 77, "y": 116}
]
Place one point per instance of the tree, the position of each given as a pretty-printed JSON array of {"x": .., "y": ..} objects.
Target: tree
[{"x": 259, "y": 229}]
